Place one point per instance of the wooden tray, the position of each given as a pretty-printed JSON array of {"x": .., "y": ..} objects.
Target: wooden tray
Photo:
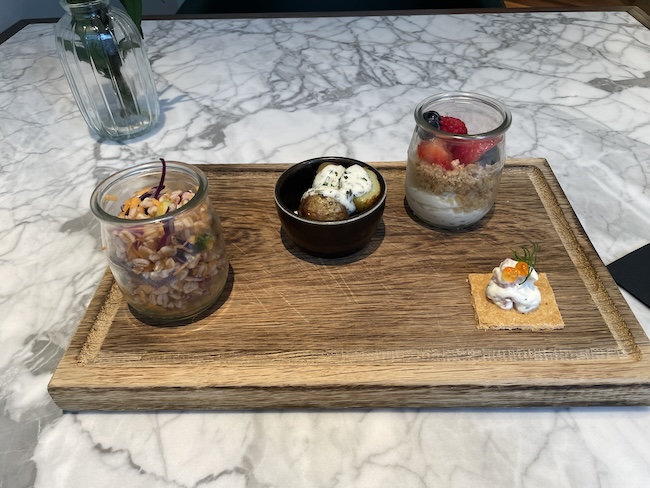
[{"x": 391, "y": 326}]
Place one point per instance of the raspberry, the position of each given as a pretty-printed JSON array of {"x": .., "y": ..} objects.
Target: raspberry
[
  {"x": 452, "y": 125},
  {"x": 470, "y": 152},
  {"x": 435, "y": 151}
]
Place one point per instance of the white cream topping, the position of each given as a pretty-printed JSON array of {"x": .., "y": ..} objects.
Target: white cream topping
[
  {"x": 522, "y": 294},
  {"x": 329, "y": 176},
  {"x": 355, "y": 179},
  {"x": 341, "y": 184}
]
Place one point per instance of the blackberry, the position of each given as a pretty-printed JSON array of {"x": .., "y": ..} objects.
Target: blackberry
[
  {"x": 490, "y": 157},
  {"x": 433, "y": 119}
]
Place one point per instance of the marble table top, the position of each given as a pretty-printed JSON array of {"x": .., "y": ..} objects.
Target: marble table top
[{"x": 284, "y": 90}]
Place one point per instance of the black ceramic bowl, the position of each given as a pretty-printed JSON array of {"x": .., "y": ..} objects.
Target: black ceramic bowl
[{"x": 327, "y": 239}]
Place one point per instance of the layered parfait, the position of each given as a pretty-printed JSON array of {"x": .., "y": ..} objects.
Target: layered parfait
[{"x": 452, "y": 174}]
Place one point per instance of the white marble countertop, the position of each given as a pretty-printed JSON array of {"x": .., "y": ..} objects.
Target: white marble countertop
[{"x": 284, "y": 90}]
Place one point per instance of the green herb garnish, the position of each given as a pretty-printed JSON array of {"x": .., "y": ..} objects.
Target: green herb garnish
[
  {"x": 528, "y": 256},
  {"x": 204, "y": 241}
]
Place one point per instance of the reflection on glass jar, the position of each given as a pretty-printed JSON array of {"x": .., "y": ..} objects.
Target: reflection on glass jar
[
  {"x": 163, "y": 239},
  {"x": 452, "y": 178}
]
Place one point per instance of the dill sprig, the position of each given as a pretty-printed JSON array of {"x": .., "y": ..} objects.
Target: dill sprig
[{"x": 528, "y": 256}]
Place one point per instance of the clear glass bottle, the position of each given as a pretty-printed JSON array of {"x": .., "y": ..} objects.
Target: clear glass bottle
[
  {"x": 168, "y": 267},
  {"x": 105, "y": 61},
  {"x": 452, "y": 179}
]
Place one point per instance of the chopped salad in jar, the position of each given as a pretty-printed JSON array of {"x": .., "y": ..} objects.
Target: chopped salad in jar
[{"x": 174, "y": 264}]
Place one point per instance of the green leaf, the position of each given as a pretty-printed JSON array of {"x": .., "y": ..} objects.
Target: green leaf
[
  {"x": 134, "y": 9},
  {"x": 204, "y": 241}
]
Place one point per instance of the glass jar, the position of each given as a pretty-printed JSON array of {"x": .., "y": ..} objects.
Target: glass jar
[
  {"x": 168, "y": 267},
  {"x": 105, "y": 62},
  {"x": 452, "y": 178}
]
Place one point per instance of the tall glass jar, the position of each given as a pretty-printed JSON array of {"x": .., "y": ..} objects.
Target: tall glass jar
[
  {"x": 165, "y": 247},
  {"x": 105, "y": 62},
  {"x": 455, "y": 158}
]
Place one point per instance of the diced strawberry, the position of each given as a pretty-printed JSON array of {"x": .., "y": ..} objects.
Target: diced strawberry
[
  {"x": 470, "y": 152},
  {"x": 435, "y": 152},
  {"x": 452, "y": 125}
]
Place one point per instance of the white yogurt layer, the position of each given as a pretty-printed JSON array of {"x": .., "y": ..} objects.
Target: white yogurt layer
[
  {"x": 442, "y": 210},
  {"x": 522, "y": 294}
]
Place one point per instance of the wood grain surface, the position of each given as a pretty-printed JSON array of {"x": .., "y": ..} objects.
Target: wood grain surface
[{"x": 390, "y": 326}]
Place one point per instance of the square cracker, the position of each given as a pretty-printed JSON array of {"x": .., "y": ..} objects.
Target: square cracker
[{"x": 493, "y": 317}]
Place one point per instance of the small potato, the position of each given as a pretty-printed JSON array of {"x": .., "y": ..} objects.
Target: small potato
[
  {"x": 322, "y": 166},
  {"x": 322, "y": 208},
  {"x": 367, "y": 200}
]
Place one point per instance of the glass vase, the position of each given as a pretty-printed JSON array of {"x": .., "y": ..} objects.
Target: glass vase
[{"x": 105, "y": 62}]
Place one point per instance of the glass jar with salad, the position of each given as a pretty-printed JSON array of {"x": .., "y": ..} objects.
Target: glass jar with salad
[{"x": 163, "y": 239}]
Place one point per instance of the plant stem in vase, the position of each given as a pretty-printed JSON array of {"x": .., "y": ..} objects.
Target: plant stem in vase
[{"x": 105, "y": 61}]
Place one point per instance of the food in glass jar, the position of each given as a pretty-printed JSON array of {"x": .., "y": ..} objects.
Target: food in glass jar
[
  {"x": 455, "y": 158},
  {"x": 169, "y": 256},
  {"x": 443, "y": 190}
]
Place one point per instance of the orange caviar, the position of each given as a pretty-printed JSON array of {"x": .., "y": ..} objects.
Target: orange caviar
[
  {"x": 510, "y": 274},
  {"x": 522, "y": 268}
]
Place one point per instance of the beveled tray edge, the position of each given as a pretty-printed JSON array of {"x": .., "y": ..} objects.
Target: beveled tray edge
[{"x": 586, "y": 260}]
